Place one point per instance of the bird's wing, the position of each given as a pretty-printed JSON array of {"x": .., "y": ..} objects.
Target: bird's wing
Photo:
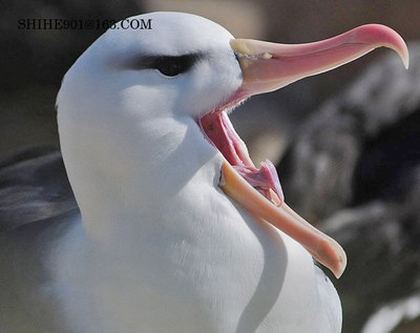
[{"x": 33, "y": 188}]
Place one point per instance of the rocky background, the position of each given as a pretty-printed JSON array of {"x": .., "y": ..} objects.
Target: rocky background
[{"x": 347, "y": 142}]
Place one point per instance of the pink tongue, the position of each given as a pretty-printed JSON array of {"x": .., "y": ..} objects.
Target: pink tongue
[
  {"x": 265, "y": 179},
  {"x": 221, "y": 133}
]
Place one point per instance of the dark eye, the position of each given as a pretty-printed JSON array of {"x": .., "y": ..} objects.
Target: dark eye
[
  {"x": 169, "y": 66},
  {"x": 172, "y": 66}
]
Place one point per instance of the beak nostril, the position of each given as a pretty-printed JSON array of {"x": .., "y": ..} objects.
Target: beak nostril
[{"x": 266, "y": 55}]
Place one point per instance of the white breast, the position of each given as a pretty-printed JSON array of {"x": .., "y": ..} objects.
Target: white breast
[{"x": 219, "y": 273}]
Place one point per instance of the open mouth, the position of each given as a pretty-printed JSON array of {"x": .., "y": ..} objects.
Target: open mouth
[
  {"x": 220, "y": 132},
  {"x": 258, "y": 190},
  {"x": 266, "y": 67}
]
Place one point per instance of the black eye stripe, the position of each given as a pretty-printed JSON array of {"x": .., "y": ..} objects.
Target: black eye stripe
[
  {"x": 167, "y": 65},
  {"x": 172, "y": 66}
]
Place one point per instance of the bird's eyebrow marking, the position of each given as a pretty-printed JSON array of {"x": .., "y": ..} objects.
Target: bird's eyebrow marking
[{"x": 151, "y": 61}]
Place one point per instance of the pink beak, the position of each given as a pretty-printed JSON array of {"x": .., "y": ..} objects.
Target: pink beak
[{"x": 270, "y": 66}]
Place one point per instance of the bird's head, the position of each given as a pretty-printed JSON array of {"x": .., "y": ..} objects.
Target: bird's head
[{"x": 134, "y": 87}]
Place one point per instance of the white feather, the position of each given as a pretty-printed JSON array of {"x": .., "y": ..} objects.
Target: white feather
[{"x": 159, "y": 247}]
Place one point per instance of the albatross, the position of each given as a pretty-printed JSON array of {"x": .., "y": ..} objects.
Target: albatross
[{"x": 179, "y": 231}]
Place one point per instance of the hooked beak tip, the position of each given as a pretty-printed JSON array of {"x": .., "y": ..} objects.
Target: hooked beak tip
[{"x": 385, "y": 36}]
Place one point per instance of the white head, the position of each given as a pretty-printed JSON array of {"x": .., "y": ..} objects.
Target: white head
[
  {"x": 133, "y": 97},
  {"x": 183, "y": 66}
]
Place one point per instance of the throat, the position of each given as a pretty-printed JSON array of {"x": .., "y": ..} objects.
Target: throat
[
  {"x": 221, "y": 133},
  {"x": 119, "y": 191}
]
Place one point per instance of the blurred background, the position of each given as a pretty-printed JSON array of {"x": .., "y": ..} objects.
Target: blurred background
[{"x": 347, "y": 142}]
